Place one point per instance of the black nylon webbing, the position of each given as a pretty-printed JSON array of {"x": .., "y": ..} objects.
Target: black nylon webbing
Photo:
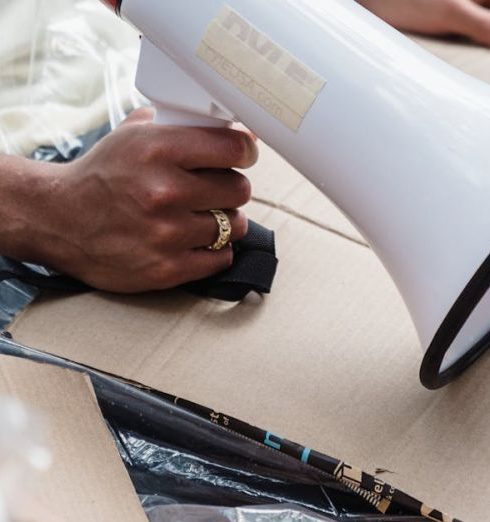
[{"x": 254, "y": 267}]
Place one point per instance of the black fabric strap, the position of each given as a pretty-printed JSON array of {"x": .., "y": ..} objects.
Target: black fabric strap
[{"x": 253, "y": 269}]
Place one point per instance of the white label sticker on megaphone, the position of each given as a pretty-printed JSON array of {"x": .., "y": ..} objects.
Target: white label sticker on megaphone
[{"x": 277, "y": 81}]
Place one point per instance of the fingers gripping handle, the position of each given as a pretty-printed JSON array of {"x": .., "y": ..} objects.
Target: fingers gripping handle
[{"x": 177, "y": 98}]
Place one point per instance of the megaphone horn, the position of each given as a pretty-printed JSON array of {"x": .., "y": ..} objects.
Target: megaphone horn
[{"x": 394, "y": 136}]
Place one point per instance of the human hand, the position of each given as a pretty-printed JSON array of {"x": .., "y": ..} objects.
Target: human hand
[
  {"x": 132, "y": 214},
  {"x": 469, "y": 18}
]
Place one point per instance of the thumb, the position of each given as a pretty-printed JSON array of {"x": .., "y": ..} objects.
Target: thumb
[
  {"x": 475, "y": 23},
  {"x": 141, "y": 115}
]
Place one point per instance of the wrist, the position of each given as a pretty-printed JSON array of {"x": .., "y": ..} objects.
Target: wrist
[
  {"x": 26, "y": 191},
  {"x": 365, "y": 3}
]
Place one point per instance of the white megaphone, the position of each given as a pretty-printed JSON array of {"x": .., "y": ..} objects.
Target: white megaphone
[{"x": 396, "y": 138}]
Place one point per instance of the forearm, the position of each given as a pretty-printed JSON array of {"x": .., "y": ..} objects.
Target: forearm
[
  {"x": 468, "y": 18},
  {"x": 424, "y": 16},
  {"x": 25, "y": 187}
]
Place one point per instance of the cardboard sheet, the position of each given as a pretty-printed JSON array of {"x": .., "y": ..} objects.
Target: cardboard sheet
[
  {"x": 330, "y": 359},
  {"x": 88, "y": 481},
  {"x": 470, "y": 58}
]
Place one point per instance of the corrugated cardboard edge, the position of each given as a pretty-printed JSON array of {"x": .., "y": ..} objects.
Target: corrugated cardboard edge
[{"x": 88, "y": 480}]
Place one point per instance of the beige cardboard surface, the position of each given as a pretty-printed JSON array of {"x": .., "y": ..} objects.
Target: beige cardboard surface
[
  {"x": 329, "y": 359},
  {"x": 472, "y": 59},
  {"x": 88, "y": 481}
]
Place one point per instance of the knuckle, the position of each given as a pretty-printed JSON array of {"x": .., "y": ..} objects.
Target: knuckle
[
  {"x": 156, "y": 198},
  {"x": 170, "y": 235},
  {"x": 152, "y": 200}
]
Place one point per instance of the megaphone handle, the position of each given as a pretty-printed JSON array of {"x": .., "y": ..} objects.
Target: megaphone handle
[
  {"x": 177, "y": 98},
  {"x": 164, "y": 115}
]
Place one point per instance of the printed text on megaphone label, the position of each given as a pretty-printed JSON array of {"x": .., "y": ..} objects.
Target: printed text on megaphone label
[{"x": 276, "y": 80}]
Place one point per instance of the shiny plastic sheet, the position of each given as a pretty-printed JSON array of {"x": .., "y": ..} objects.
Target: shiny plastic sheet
[
  {"x": 14, "y": 295},
  {"x": 171, "y": 453},
  {"x": 66, "y": 77},
  {"x": 176, "y": 475},
  {"x": 220, "y": 514},
  {"x": 66, "y": 67}
]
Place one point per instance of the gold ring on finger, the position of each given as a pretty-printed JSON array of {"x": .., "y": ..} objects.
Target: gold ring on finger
[{"x": 224, "y": 230}]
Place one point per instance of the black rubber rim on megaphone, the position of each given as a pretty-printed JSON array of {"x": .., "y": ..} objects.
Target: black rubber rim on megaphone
[{"x": 430, "y": 371}]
